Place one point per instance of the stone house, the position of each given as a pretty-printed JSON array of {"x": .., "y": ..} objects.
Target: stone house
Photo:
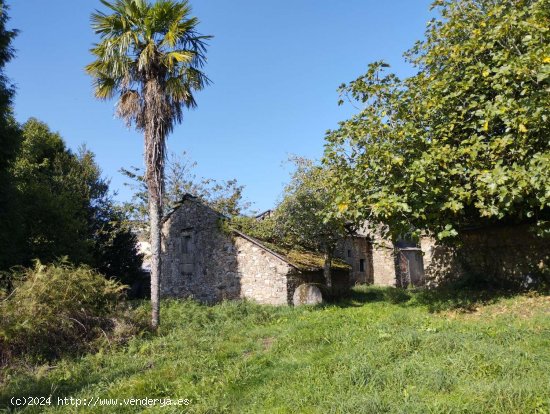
[{"x": 203, "y": 259}]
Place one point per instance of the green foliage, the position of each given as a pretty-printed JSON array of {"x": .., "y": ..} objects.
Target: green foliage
[
  {"x": 269, "y": 234},
  {"x": 8, "y": 130},
  {"x": 301, "y": 218},
  {"x": 115, "y": 246},
  {"x": 142, "y": 41},
  {"x": 366, "y": 355},
  {"x": 10, "y": 140},
  {"x": 264, "y": 230},
  {"x": 66, "y": 209},
  {"x": 465, "y": 140},
  {"x": 56, "y": 190},
  {"x": 300, "y": 228},
  {"x": 56, "y": 308},
  {"x": 396, "y": 295}
]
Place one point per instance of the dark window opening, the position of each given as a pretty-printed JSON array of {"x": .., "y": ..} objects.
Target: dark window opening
[
  {"x": 362, "y": 265},
  {"x": 186, "y": 244},
  {"x": 349, "y": 253}
]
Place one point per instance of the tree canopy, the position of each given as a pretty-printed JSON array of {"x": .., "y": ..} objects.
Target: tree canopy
[
  {"x": 302, "y": 220},
  {"x": 64, "y": 209},
  {"x": 465, "y": 141}
]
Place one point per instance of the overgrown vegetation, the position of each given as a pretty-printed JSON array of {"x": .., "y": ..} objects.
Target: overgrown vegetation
[
  {"x": 61, "y": 206},
  {"x": 382, "y": 350},
  {"x": 59, "y": 309}
]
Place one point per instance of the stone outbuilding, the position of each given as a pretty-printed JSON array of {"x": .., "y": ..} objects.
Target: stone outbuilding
[{"x": 203, "y": 259}]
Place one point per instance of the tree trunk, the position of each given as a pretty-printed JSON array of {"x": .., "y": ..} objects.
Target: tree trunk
[
  {"x": 326, "y": 269},
  {"x": 157, "y": 124},
  {"x": 155, "y": 212}
]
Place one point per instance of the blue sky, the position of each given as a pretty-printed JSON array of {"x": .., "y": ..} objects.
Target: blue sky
[{"x": 275, "y": 67}]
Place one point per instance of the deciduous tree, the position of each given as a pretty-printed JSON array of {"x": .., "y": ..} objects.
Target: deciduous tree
[
  {"x": 226, "y": 197},
  {"x": 463, "y": 142}
]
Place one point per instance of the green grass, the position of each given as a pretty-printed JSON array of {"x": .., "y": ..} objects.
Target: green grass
[{"x": 380, "y": 351}]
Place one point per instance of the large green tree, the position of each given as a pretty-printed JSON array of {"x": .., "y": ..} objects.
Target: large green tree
[
  {"x": 463, "y": 142},
  {"x": 65, "y": 208},
  {"x": 150, "y": 56},
  {"x": 9, "y": 143}
]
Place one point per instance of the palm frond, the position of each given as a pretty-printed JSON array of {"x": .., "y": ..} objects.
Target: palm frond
[
  {"x": 141, "y": 42},
  {"x": 105, "y": 87},
  {"x": 129, "y": 107}
]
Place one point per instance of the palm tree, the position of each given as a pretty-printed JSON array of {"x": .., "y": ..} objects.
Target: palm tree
[{"x": 150, "y": 57}]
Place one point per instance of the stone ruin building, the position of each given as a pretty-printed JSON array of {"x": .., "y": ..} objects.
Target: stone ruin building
[{"x": 203, "y": 260}]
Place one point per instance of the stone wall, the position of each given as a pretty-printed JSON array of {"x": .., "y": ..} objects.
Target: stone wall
[
  {"x": 499, "y": 255},
  {"x": 202, "y": 261},
  {"x": 199, "y": 260},
  {"x": 384, "y": 263}
]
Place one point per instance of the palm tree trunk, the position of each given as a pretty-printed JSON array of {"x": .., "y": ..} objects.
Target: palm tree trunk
[
  {"x": 154, "y": 176},
  {"x": 155, "y": 212},
  {"x": 156, "y": 114}
]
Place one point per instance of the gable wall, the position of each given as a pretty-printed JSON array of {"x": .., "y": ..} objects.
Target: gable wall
[
  {"x": 206, "y": 268},
  {"x": 202, "y": 261},
  {"x": 360, "y": 248}
]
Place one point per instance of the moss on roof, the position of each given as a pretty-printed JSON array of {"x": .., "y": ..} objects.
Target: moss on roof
[{"x": 305, "y": 260}]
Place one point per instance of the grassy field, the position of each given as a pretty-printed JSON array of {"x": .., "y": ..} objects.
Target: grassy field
[{"x": 380, "y": 351}]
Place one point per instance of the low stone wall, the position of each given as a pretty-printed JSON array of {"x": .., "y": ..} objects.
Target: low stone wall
[{"x": 511, "y": 254}]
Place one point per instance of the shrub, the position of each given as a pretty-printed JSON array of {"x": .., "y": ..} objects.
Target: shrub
[{"x": 56, "y": 308}]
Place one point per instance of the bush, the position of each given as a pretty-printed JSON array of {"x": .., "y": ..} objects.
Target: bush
[{"x": 55, "y": 309}]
